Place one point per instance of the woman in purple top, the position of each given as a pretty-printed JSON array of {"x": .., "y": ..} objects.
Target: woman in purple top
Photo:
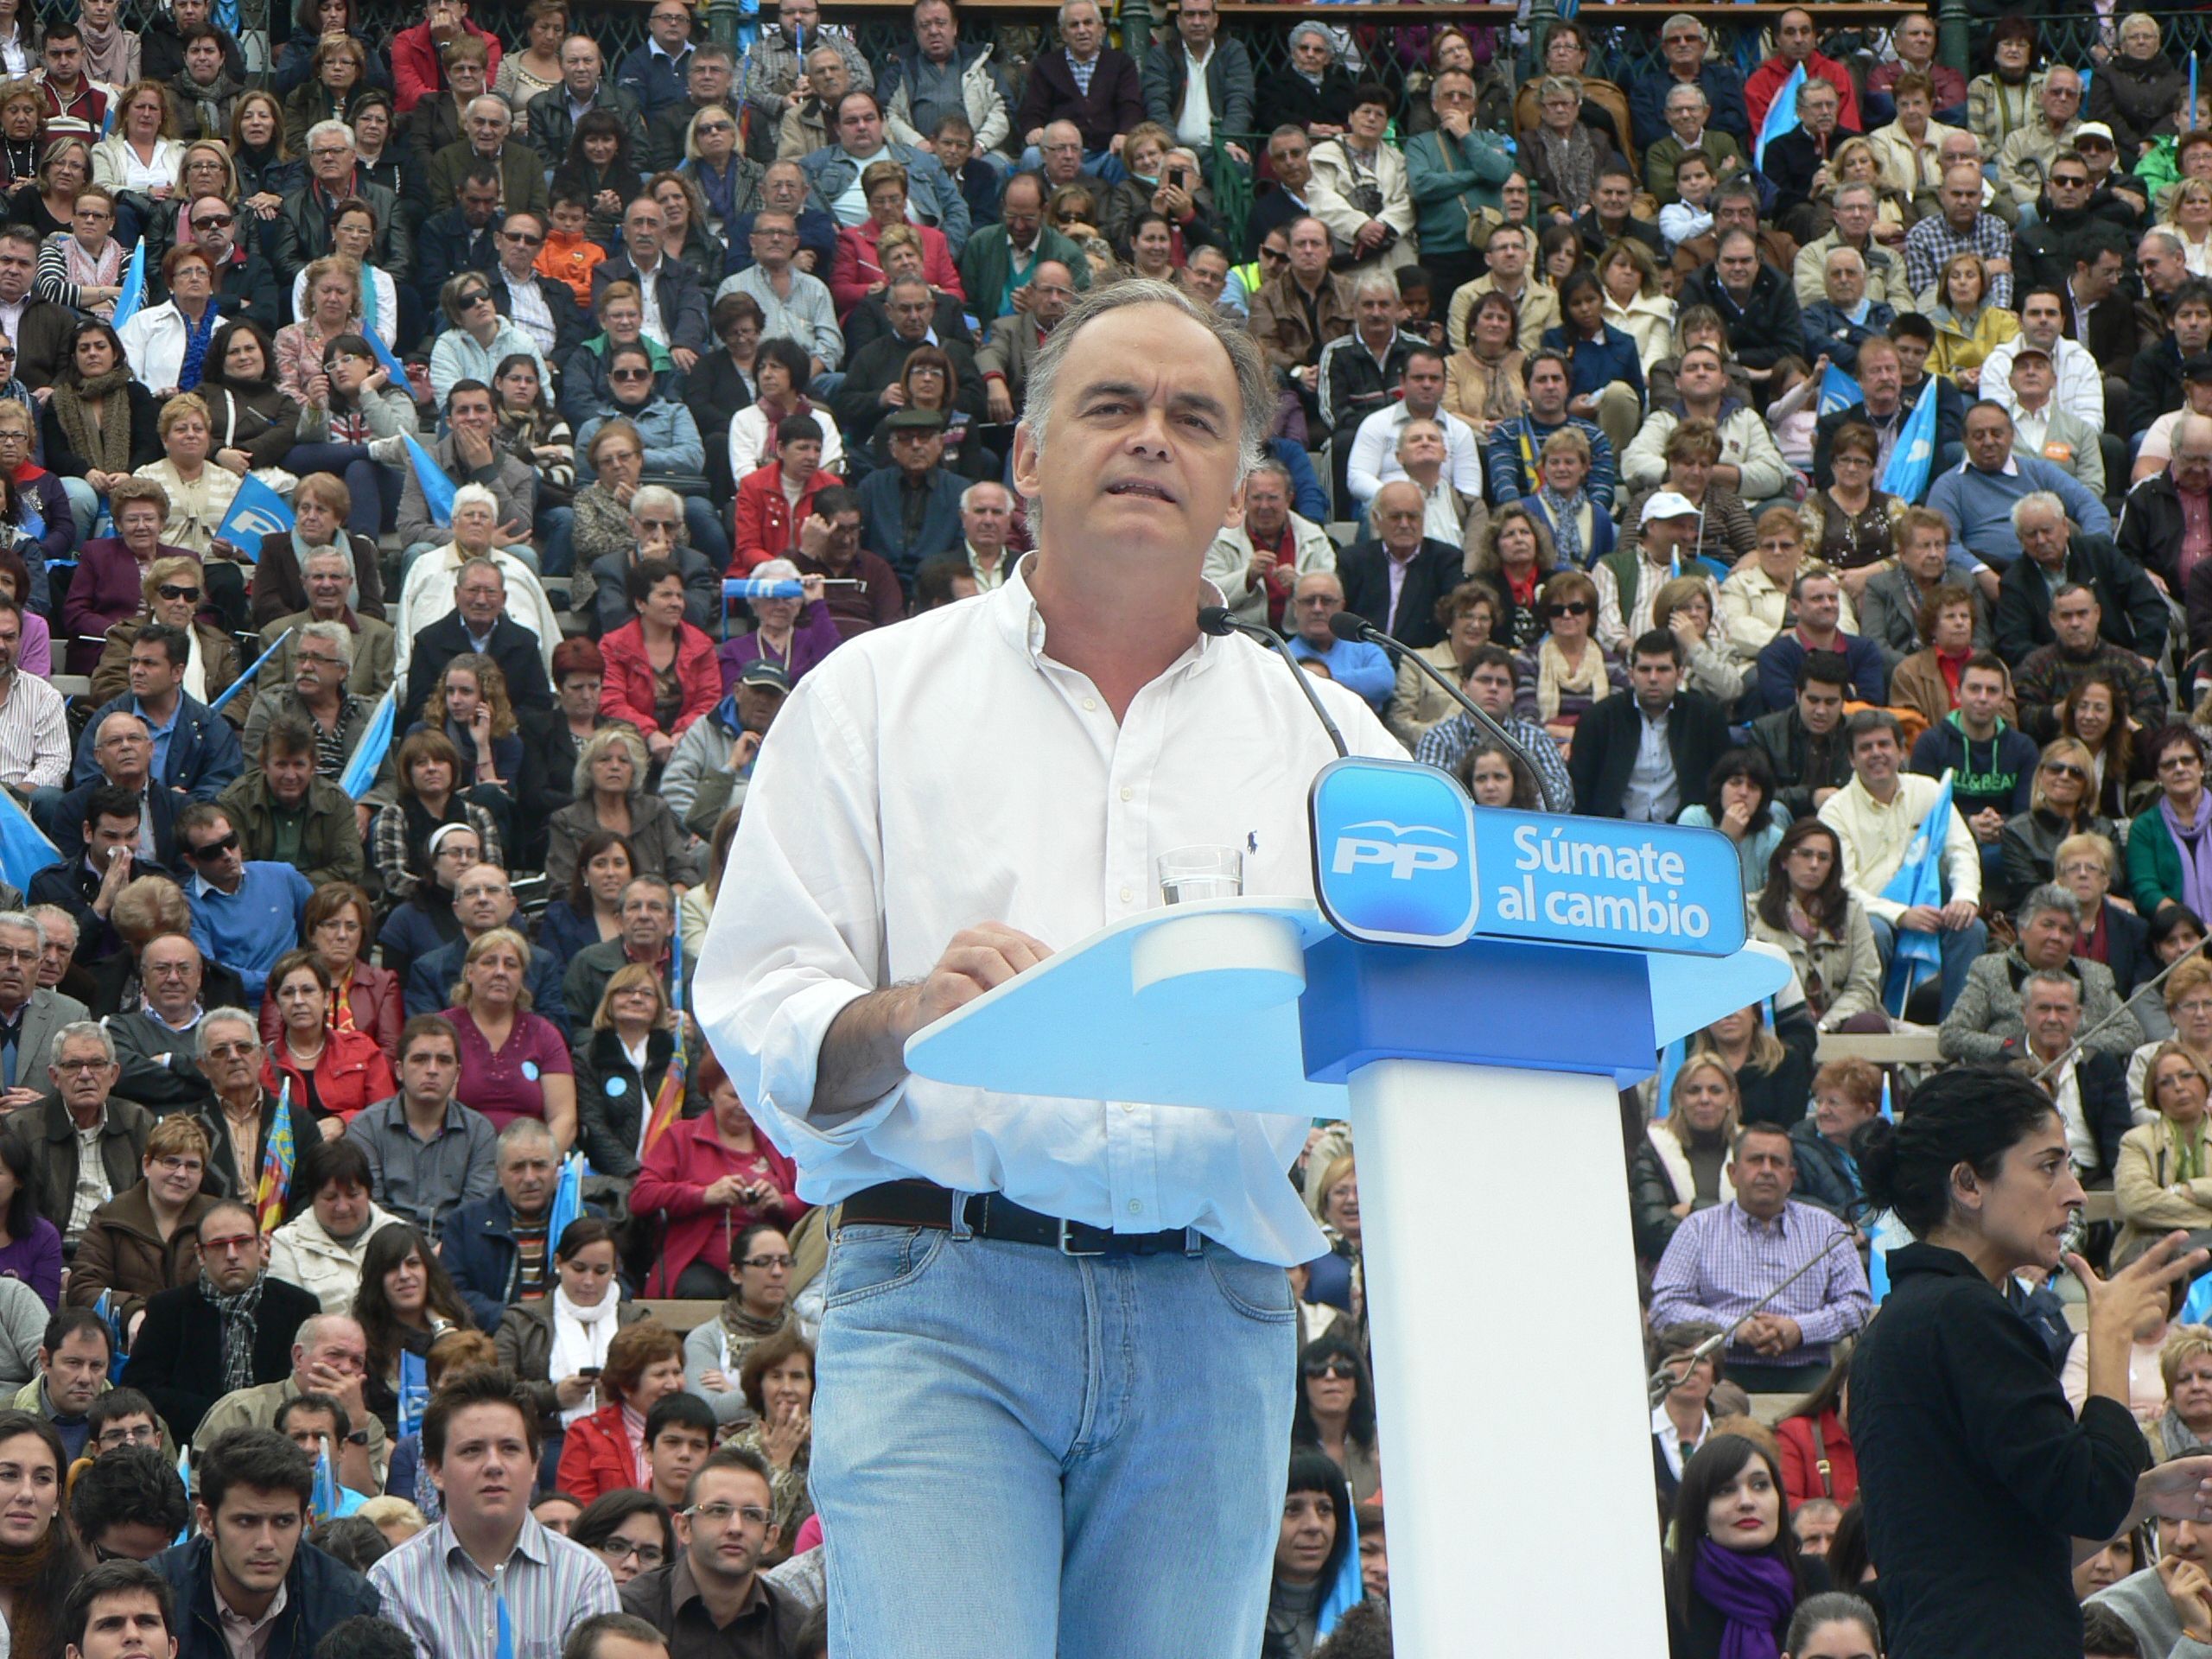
[
  {"x": 794, "y": 633},
  {"x": 514, "y": 1063},
  {"x": 30, "y": 1245}
]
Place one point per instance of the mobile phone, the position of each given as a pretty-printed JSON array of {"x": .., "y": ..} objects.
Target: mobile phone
[{"x": 591, "y": 1371}]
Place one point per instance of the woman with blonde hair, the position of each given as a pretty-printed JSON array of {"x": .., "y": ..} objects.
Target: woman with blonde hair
[
  {"x": 696, "y": 908},
  {"x": 175, "y": 592},
  {"x": 1682, "y": 1163},
  {"x": 2185, "y": 1363},
  {"x": 514, "y": 1063},
  {"x": 469, "y": 706},
  {"x": 1755, "y": 599},
  {"x": 199, "y": 491},
  {"x": 143, "y": 154},
  {"x": 328, "y": 299},
  {"x": 1582, "y": 532},
  {"x": 1566, "y": 671},
  {"x": 64, "y": 167},
  {"x": 1683, "y": 606},
  {"x": 2061, "y": 808},
  {"x": 611, "y": 794},
  {"x": 2188, "y": 997},
  {"x": 2188, "y": 216},
  {"x": 622, "y": 1062},
  {"x": 1968, "y": 327}
]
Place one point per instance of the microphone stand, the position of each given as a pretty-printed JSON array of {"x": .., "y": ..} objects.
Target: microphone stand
[
  {"x": 1666, "y": 1379},
  {"x": 1220, "y": 621},
  {"x": 2082, "y": 1040},
  {"x": 1345, "y": 626}
]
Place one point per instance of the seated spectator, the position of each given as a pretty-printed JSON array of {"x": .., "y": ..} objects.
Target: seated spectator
[
  {"x": 1816, "y": 601},
  {"x": 2061, "y": 807},
  {"x": 1848, "y": 520},
  {"x": 1773, "y": 1068},
  {"x": 1786, "y": 1346},
  {"x": 1845, "y": 1094},
  {"x": 141, "y": 1242},
  {"x": 2160, "y": 1181},
  {"x": 1992, "y": 1020},
  {"x": 336, "y": 1072},
  {"x": 2092, "y": 713},
  {"x": 1739, "y": 803},
  {"x": 2165, "y": 844},
  {"x": 184, "y": 1355},
  {"x": 2132, "y": 612},
  {"x": 2043, "y": 679},
  {"x": 428, "y": 1153},
  {"x": 1565, "y": 671},
  {"x": 245, "y": 913},
  {"x": 1681, "y": 1421},
  {"x": 656, "y": 648},
  {"x": 1319, "y": 596},
  {"x": 632, "y": 1018},
  {"x": 365, "y": 998},
  {"x": 501, "y": 485},
  {"x": 611, "y": 795},
  {"x": 1818, "y": 1461},
  {"x": 648, "y": 927},
  {"x": 1512, "y": 454},
  {"x": 643, "y": 1363},
  {"x": 1793, "y": 161},
  {"x": 1926, "y": 625},
  {"x": 286, "y": 814},
  {"x": 1977, "y": 498},
  {"x": 1614, "y": 777},
  {"x": 424, "y": 920},
  {"x": 2111, "y": 933},
  {"x": 1993, "y": 765},
  {"x": 498, "y": 1032},
  {"x": 1334, "y": 1410},
  {"x": 1756, "y": 598},
  {"x": 331, "y": 1218},
  {"x": 557, "y": 1344},
  {"x": 910, "y": 511},
  {"x": 174, "y": 595},
  {"x": 1874, "y": 837},
  {"x": 1754, "y": 300},
  {"x": 713, "y": 763},
  {"x": 405, "y": 1302},
  {"x": 496, "y": 1248},
  {"x": 629, "y": 1530}
]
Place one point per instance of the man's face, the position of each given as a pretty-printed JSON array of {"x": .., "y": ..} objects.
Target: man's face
[
  {"x": 1739, "y": 264},
  {"x": 860, "y": 128},
  {"x": 1509, "y": 255},
  {"x": 1700, "y": 376},
  {"x": 124, "y": 1623},
  {"x": 1846, "y": 279},
  {"x": 1874, "y": 758},
  {"x": 648, "y": 923},
  {"x": 2043, "y": 537},
  {"x": 1736, "y": 213},
  {"x": 1081, "y": 29},
  {"x": 331, "y": 158},
  {"x": 911, "y": 306},
  {"x": 1916, "y": 39},
  {"x": 1397, "y": 515},
  {"x": 1762, "y": 1172},
  {"x": 2162, "y": 268},
  {"x": 2096, "y": 281},
  {"x": 1795, "y": 37},
  {"x": 429, "y": 1070},
  {"x": 580, "y": 66},
  {"x": 675, "y": 1456},
  {"x": 1820, "y": 603},
  {"x": 641, "y": 231},
  {"x": 17, "y": 265},
  {"x": 231, "y": 1249},
  {"x": 328, "y": 582},
  {"x": 1854, "y": 217},
  {"x": 1547, "y": 390},
  {"x": 1317, "y": 599},
  {"x": 725, "y": 1546},
  {"x": 1309, "y": 250},
  {"x": 1910, "y": 359},
  {"x": 488, "y": 123},
  {"x": 1819, "y": 705},
  {"x": 2032, "y": 380},
  {"x": 708, "y": 80},
  {"x": 933, "y": 30},
  {"x": 988, "y": 516},
  {"x": 1614, "y": 195},
  {"x": 1197, "y": 22},
  {"x": 1653, "y": 679},
  {"x": 484, "y": 899},
  {"x": 1267, "y": 506},
  {"x": 170, "y": 970},
  {"x": 479, "y": 202},
  {"x": 1981, "y": 696},
  {"x": 1492, "y": 687},
  {"x": 19, "y": 950},
  {"x": 916, "y": 449},
  {"x": 2062, "y": 95},
  {"x": 2192, "y": 465},
  {"x": 1961, "y": 197},
  {"x": 480, "y": 595},
  {"x": 526, "y": 1175},
  {"x": 2074, "y": 618},
  {"x": 76, "y": 1371},
  {"x": 313, "y": 1432},
  {"x": 1686, "y": 111},
  {"x": 1989, "y": 438},
  {"x": 1022, "y": 210},
  {"x": 1816, "y": 107},
  {"x": 2041, "y": 320},
  {"x": 1421, "y": 450},
  {"x": 671, "y": 23},
  {"x": 1683, "y": 46},
  {"x": 486, "y": 1473},
  {"x": 1378, "y": 316},
  {"x": 63, "y": 60},
  {"x": 288, "y": 775},
  {"x": 2052, "y": 1015}
]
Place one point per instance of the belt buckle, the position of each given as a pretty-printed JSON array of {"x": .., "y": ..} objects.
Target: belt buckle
[{"x": 1065, "y": 1225}]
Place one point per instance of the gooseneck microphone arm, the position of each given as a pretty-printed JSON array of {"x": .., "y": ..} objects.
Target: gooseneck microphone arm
[
  {"x": 1345, "y": 626},
  {"x": 1220, "y": 621}
]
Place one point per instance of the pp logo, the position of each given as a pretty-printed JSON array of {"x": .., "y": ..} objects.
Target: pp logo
[
  {"x": 1393, "y": 853},
  {"x": 256, "y": 521}
]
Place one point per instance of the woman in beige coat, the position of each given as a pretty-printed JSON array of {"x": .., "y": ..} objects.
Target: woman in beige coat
[{"x": 2163, "y": 1179}]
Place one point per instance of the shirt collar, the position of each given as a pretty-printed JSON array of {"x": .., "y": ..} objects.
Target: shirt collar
[{"x": 1014, "y": 613}]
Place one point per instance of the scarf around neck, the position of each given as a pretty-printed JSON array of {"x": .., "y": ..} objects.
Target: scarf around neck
[
  {"x": 1752, "y": 1593},
  {"x": 2178, "y": 1439},
  {"x": 241, "y": 1316},
  {"x": 2193, "y": 846},
  {"x": 1566, "y": 513},
  {"x": 107, "y": 444},
  {"x": 581, "y": 1336},
  {"x": 1555, "y": 676}
]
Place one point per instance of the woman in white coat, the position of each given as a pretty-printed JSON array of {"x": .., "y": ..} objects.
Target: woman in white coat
[
  {"x": 143, "y": 154},
  {"x": 331, "y": 1220},
  {"x": 168, "y": 343},
  {"x": 1360, "y": 189},
  {"x": 1683, "y": 1162}
]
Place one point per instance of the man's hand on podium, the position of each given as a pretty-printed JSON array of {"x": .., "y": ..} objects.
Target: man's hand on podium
[{"x": 977, "y": 959}]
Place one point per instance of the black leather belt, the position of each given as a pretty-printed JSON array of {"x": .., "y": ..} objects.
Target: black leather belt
[{"x": 992, "y": 1215}]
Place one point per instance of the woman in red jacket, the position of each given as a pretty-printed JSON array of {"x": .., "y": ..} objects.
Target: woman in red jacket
[
  {"x": 661, "y": 672},
  {"x": 1817, "y": 1460},
  {"x": 707, "y": 1179},
  {"x": 333, "y": 1074},
  {"x": 858, "y": 270},
  {"x": 604, "y": 1452},
  {"x": 339, "y": 924}
]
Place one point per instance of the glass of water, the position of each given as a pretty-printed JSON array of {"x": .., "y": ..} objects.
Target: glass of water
[{"x": 1190, "y": 874}]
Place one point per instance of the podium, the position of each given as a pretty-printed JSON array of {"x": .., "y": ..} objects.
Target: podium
[{"x": 1473, "y": 990}]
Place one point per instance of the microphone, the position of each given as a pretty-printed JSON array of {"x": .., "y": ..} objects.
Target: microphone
[
  {"x": 1345, "y": 626},
  {"x": 1220, "y": 621}
]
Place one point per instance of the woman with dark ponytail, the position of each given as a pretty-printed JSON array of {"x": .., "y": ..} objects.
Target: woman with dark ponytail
[{"x": 1979, "y": 1486}]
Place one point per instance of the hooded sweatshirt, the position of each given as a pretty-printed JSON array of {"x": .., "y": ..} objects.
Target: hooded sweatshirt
[{"x": 1995, "y": 773}]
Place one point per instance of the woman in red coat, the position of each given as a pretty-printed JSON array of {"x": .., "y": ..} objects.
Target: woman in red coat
[
  {"x": 333, "y": 1074},
  {"x": 707, "y": 1179},
  {"x": 1817, "y": 1460},
  {"x": 363, "y": 997},
  {"x": 604, "y": 1452},
  {"x": 661, "y": 672},
  {"x": 858, "y": 271}
]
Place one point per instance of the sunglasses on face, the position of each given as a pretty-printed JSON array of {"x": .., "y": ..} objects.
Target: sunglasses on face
[
  {"x": 1334, "y": 1367},
  {"x": 214, "y": 222},
  {"x": 522, "y": 238},
  {"x": 1572, "y": 607},
  {"x": 170, "y": 590},
  {"x": 215, "y": 849},
  {"x": 475, "y": 295}
]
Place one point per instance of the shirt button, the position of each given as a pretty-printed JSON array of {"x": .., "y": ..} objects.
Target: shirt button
[
  {"x": 1089, "y": 705},
  {"x": 1136, "y": 1206},
  {"x": 1126, "y": 792},
  {"x": 1129, "y": 1106},
  {"x": 1126, "y": 895}
]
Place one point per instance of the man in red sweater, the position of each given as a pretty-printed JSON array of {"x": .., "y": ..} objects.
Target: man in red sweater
[
  {"x": 1793, "y": 38},
  {"x": 418, "y": 54},
  {"x": 775, "y": 500}
]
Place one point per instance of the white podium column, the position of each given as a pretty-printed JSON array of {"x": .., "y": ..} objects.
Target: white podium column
[{"x": 1501, "y": 1302}]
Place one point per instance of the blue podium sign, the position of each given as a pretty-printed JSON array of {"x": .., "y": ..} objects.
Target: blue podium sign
[{"x": 1401, "y": 855}]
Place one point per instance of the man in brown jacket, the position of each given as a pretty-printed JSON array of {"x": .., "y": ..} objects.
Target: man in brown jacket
[{"x": 1295, "y": 315}]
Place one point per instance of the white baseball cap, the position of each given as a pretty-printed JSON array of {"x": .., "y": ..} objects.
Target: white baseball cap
[{"x": 1669, "y": 504}]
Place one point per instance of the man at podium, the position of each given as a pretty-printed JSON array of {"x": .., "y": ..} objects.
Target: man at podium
[{"x": 1049, "y": 1323}]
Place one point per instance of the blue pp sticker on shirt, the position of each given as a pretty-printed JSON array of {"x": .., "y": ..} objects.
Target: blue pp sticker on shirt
[
  {"x": 617, "y": 1086},
  {"x": 530, "y": 1071}
]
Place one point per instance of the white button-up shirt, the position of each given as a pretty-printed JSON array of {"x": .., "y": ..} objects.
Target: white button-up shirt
[{"x": 883, "y": 817}]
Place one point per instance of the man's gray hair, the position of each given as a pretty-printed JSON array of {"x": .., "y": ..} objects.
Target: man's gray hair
[
  {"x": 1685, "y": 90},
  {"x": 475, "y": 495},
  {"x": 23, "y": 921},
  {"x": 1813, "y": 84},
  {"x": 336, "y": 635},
  {"x": 330, "y": 130},
  {"x": 2167, "y": 240},
  {"x": 1254, "y": 386},
  {"x": 86, "y": 1031},
  {"x": 1678, "y": 22},
  {"x": 1273, "y": 468},
  {"x": 520, "y": 1129},
  {"x": 215, "y": 1017},
  {"x": 1067, "y": 6},
  {"x": 2048, "y": 897},
  {"x": 655, "y": 495},
  {"x": 1375, "y": 282},
  {"x": 2041, "y": 976},
  {"x": 479, "y": 563},
  {"x": 56, "y": 919},
  {"x": 1859, "y": 188},
  {"x": 967, "y": 500},
  {"x": 2037, "y": 501},
  {"x": 500, "y": 105}
]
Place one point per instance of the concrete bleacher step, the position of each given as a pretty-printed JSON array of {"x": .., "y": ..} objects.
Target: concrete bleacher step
[
  {"x": 71, "y": 685},
  {"x": 683, "y": 1317},
  {"x": 1915, "y": 1047}
]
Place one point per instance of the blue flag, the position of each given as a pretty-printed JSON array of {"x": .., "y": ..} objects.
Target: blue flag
[
  {"x": 437, "y": 488},
  {"x": 24, "y": 850},
  {"x": 568, "y": 1198},
  {"x": 1347, "y": 1590},
  {"x": 324, "y": 1498},
  {"x": 134, "y": 287},
  {"x": 184, "y": 1474},
  {"x": 1839, "y": 390},
  {"x": 2197, "y": 1307},
  {"x": 748, "y": 588},
  {"x": 1919, "y": 881},
  {"x": 1906, "y": 476},
  {"x": 368, "y": 755},
  {"x": 252, "y": 669},
  {"x": 256, "y": 510},
  {"x": 414, "y": 1391},
  {"x": 1781, "y": 115},
  {"x": 382, "y": 352},
  {"x": 1670, "y": 1067}
]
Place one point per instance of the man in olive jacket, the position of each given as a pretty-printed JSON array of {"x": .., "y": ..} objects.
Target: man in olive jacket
[{"x": 283, "y": 812}]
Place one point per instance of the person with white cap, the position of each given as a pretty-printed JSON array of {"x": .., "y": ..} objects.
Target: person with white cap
[
  {"x": 1629, "y": 579},
  {"x": 2042, "y": 425}
]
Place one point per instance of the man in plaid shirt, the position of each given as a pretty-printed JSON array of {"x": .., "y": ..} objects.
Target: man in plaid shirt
[{"x": 1961, "y": 227}]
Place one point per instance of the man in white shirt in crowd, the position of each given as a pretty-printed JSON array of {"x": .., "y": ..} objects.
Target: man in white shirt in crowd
[
  {"x": 1113, "y": 721},
  {"x": 34, "y": 724},
  {"x": 1375, "y": 446},
  {"x": 986, "y": 520}
]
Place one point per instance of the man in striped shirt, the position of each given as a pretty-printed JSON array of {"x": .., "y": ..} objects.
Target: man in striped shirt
[
  {"x": 34, "y": 731},
  {"x": 489, "y": 1563}
]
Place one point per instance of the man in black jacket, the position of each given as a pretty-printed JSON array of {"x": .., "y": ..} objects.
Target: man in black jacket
[
  {"x": 1794, "y": 159},
  {"x": 512, "y": 645},
  {"x": 1805, "y": 742},
  {"x": 519, "y": 239},
  {"x": 2155, "y": 517},
  {"x": 1645, "y": 756},
  {"x": 1431, "y": 568},
  {"x": 251, "y": 1562},
  {"x": 2053, "y": 553},
  {"x": 180, "y": 1359},
  {"x": 2154, "y": 385},
  {"x": 1757, "y": 302}
]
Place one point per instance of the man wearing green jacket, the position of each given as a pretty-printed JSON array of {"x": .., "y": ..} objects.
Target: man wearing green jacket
[
  {"x": 1000, "y": 259},
  {"x": 1454, "y": 172}
]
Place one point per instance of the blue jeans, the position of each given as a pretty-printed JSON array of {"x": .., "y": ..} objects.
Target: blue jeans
[
  {"x": 1960, "y": 950},
  {"x": 373, "y": 489},
  {"x": 1023, "y": 1469}
]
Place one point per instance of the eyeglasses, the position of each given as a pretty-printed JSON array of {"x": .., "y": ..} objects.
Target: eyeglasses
[
  {"x": 649, "y": 1555},
  {"x": 329, "y": 151},
  {"x": 714, "y": 126},
  {"x": 134, "y": 1434},
  {"x": 1569, "y": 607},
  {"x": 718, "y": 1515},
  {"x": 629, "y": 374},
  {"x": 215, "y": 849},
  {"x": 765, "y": 1262},
  {"x": 80, "y": 1065},
  {"x": 2066, "y": 769},
  {"x": 176, "y": 1166},
  {"x": 170, "y": 590},
  {"x": 2197, "y": 1007},
  {"x": 212, "y": 222}
]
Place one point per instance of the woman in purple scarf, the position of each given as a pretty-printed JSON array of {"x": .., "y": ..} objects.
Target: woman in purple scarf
[
  {"x": 1733, "y": 1581},
  {"x": 2170, "y": 845}
]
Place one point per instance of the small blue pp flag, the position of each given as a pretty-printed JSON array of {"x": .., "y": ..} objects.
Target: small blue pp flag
[
  {"x": 256, "y": 510},
  {"x": 134, "y": 287},
  {"x": 437, "y": 488}
]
